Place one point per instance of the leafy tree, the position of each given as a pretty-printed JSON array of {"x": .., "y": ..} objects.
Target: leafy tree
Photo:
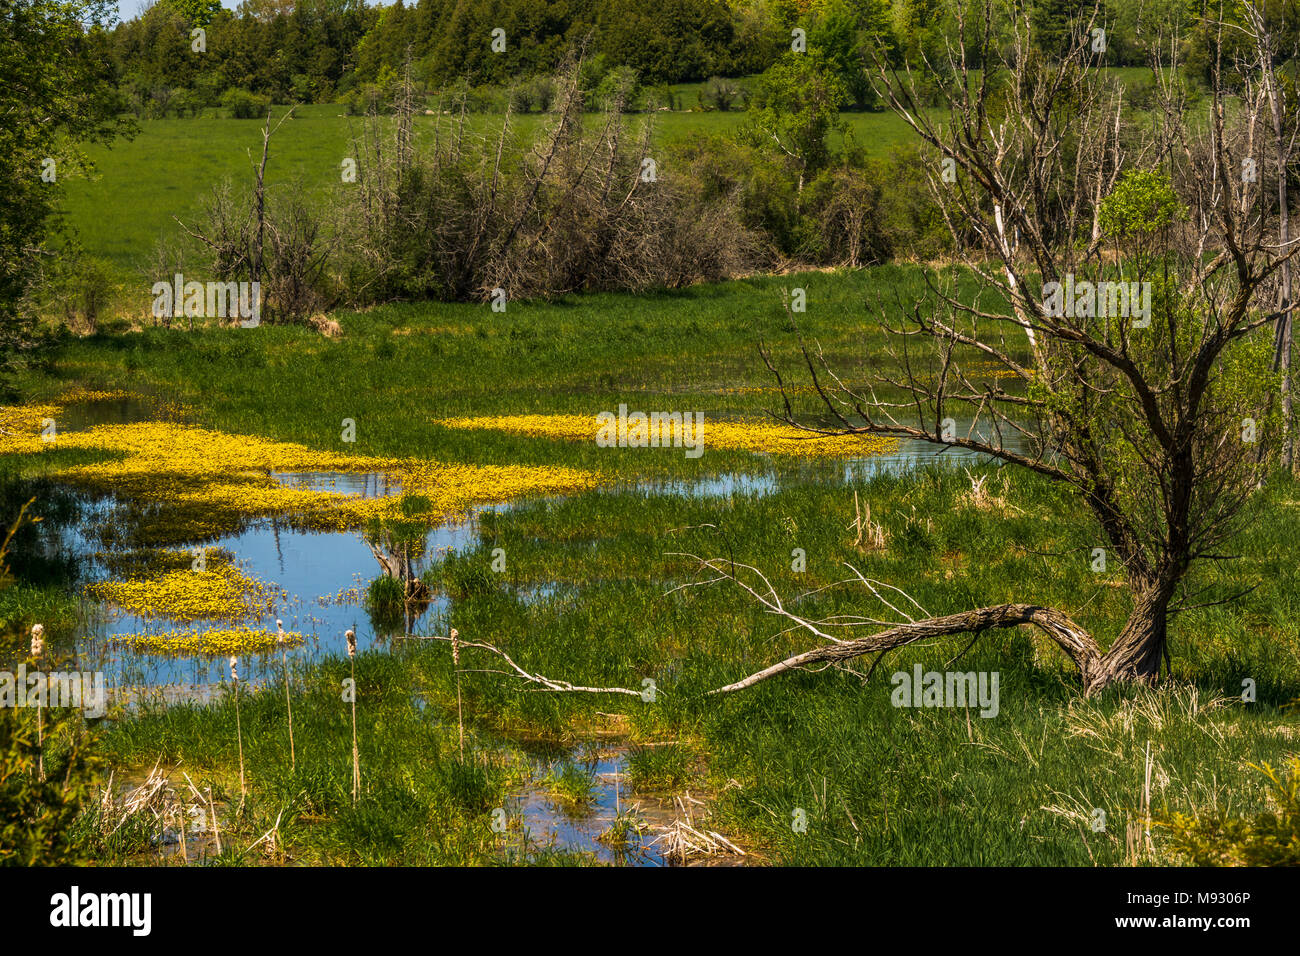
[
  {"x": 837, "y": 35},
  {"x": 1129, "y": 315},
  {"x": 58, "y": 90},
  {"x": 794, "y": 109},
  {"x": 197, "y": 13}
]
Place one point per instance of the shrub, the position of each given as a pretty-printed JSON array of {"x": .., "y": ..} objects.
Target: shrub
[
  {"x": 1269, "y": 838},
  {"x": 241, "y": 104},
  {"x": 721, "y": 94}
]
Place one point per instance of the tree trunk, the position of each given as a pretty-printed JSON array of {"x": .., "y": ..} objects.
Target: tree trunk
[{"x": 1140, "y": 647}]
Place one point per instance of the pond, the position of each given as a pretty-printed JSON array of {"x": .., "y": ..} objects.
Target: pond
[
  {"x": 321, "y": 576},
  {"x": 318, "y": 582}
]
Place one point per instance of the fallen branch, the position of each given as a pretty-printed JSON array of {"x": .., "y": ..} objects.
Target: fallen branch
[
  {"x": 547, "y": 683},
  {"x": 1074, "y": 641},
  {"x": 1070, "y": 637}
]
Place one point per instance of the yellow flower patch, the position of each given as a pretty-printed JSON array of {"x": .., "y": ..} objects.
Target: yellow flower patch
[
  {"x": 21, "y": 427},
  {"x": 239, "y": 640},
  {"x": 212, "y": 479},
  {"x": 94, "y": 395},
  {"x": 223, "y": 594},
  {"x": 745, "y": 436}
]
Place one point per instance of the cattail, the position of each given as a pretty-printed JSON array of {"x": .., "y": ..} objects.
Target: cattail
[
  {"x": 356, "y": 752},
  {"x": 460, "y": 714},
  {"x": 239, "y": 732},
  {"x": 280, "y": 639},
  {"x": 38, "y": 650}
]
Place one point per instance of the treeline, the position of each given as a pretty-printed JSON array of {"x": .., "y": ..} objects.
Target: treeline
[{"x": 324, "y": 51}]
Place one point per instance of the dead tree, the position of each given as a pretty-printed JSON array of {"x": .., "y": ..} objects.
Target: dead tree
[
  {"x": 1148, "y": 419},
  {"x": 1260, "y": 72}
]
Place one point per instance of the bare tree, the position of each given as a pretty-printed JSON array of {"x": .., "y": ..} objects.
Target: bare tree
[
  {"x": 1262, "y": 74},
  {"x": 1123, "y": 274}
]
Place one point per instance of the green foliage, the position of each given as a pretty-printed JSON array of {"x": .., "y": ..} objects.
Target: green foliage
[
  {"x": 386, "y": 602},
  {"x": 1267, "y": 838},
  {"x": 1143, "y": 202},
  {"x": 197, "y": 13},
  {"x": 794, "y": 109},
  {"x": 46, "y": 769},
  {"x": 57, "y": 92},
  {"x": 667, "y": 767},
  {"x": 721, "y": 94},
  {"x": 38, "y": 816},
  {"x": 241, "y": 104},
  {"x": 570, "y": 785}
]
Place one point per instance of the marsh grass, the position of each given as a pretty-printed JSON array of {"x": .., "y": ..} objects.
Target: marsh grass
[
  {"x": 665, "y": 767},
  {"x": 386, "y": 602},
  {"x": 571, "y": 785},
  {"x": 878, "y": 784},
  {"x": 422, "y": 804}
]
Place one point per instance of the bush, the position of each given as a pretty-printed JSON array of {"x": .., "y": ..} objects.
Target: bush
[
  {"x": 537, "y": 93},
  {"x": 1269, "y": 838},
  {"x": 616, "y": 90},
  {"x": 721, "y": 94},
  {"x": 75, "y": 288},
  {"x": 241, "y": 104},
  {"x": 453, "y": 223}
]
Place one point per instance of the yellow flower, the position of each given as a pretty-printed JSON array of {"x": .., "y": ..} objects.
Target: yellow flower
[
  {"x": 745, "y": 436},
  {"x": 222, "y": 593},
  {"x": 215, "y": 641}
]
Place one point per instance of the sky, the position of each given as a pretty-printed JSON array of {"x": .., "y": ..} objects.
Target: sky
[{"x": 126, "y": 9}]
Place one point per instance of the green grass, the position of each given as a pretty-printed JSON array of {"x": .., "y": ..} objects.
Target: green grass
[
  {"x": 421, "y": 805},
  {"x": 399, "y": 368}
]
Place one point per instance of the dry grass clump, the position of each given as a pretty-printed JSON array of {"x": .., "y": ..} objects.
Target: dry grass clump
[
  {"x": 683, "y": 841},
  {"x": 981, "y": 498},
  {"x": 868, "y": 535}
]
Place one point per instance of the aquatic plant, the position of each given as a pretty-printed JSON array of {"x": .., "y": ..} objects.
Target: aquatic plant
[
  {"x": 223, "y": 593},
  {"x": 744, "y": 436},
  {"x": 356, "y": 753},
  {"x": 214, "y": 641},
  {"x": 239, "y": 731},
  {"x": 570, "y": 786},
  {"x": 386, "y": 602},
  {"x": 208, "y": 480}
]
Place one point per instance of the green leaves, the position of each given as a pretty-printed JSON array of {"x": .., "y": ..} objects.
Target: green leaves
[
  {"x": 1143, "y": 202},
  {"x": 795, "y": 106}
]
